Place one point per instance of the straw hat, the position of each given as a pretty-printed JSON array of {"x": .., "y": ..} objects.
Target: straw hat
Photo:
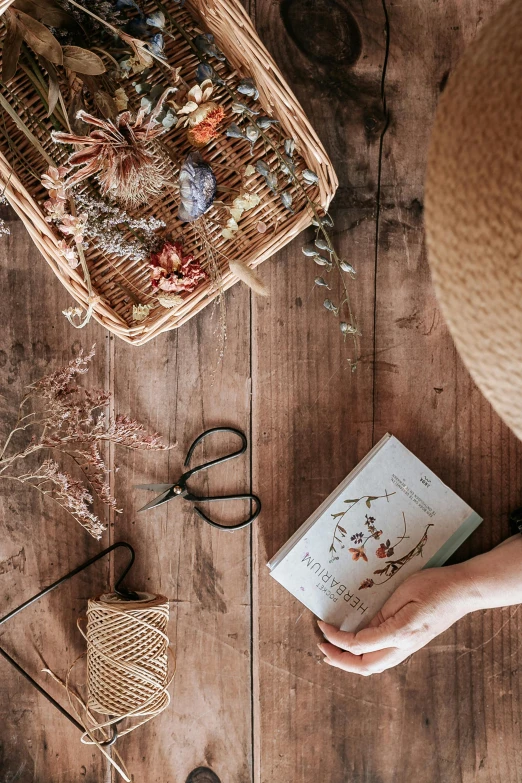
[{"x": 474, "y": 210}]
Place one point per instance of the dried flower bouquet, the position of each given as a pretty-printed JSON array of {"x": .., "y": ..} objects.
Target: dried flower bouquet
[
  {"x": 58, "y": 419},
  {"x": 161, "y": 170}
]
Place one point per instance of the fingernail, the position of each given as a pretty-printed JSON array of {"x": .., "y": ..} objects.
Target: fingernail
[
  {"x": 320, "y": 647},
  {"x": 325, "y": 660}
]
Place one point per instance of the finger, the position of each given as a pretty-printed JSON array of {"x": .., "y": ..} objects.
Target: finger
[
  {"x": 388, "y": 634},
  {"x": 372, "y": 663}
]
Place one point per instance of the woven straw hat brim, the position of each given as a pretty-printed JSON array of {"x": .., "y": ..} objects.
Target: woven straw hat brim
[{"x": 473, "y": 210}]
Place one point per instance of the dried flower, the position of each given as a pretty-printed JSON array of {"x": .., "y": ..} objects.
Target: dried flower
[
  {"x": 203, "y": 115},
  {"x": 174, "y": 272},
  {"x": 358, "y": 552},
  {"x": 69, "y": 253},
  {"x": 53, "y": 178},
  {"x": 366, "y": 583},
  {"x": 197, "y": 187},
  {"x": 70, "y": 421},
  {"x": 120, "y": 155},
  {"x": 140, "y": 312},
  {"x": 169, "y": 301},
  {"x": 114, "y": 231},
  {"x": 73, "y": 225}
]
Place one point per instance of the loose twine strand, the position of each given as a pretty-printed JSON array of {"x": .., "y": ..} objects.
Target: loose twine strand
[{"x": 127, "y": 669}]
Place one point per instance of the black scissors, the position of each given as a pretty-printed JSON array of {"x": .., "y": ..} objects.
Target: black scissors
[{"x": 179, "y": 488}]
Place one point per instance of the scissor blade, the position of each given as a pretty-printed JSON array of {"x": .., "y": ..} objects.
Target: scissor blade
[
  {"x": 158, "y": 501},
  {"x": 154, "y": 487}
]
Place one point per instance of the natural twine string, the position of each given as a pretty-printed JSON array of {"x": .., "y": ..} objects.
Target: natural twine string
[{"x": 127, "y": 668}]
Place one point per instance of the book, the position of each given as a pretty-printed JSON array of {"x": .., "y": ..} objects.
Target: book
[{"x": 390, "y": 517}]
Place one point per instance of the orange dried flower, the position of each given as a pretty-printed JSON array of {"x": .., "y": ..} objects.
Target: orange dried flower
[{"x": 207, "y": 129}]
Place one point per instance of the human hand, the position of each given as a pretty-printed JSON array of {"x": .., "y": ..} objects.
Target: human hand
[{"x": 422, "y": 607}]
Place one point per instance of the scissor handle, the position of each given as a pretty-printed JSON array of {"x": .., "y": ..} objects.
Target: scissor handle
[
  {"x": 217, "y": 461},
  {"x": 253, "y": 498}
]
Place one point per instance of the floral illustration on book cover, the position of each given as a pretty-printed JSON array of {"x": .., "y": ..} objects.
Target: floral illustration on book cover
[{"x": 371, "y": 539}]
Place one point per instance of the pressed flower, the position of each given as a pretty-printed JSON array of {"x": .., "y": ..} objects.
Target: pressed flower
[
  {"x": 358, "y": 553},
  {"x": 174, "y": 272},
  {"x": 366, "y": 583}
]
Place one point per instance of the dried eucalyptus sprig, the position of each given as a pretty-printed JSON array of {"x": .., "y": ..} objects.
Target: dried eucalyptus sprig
[
  {"x": 58, "y": 416},
  {"x": 255, "y": 128}
]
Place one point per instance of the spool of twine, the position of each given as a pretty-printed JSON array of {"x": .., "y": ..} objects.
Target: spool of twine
[
  {"x": 127, "y": 668},
  {"x": 127, "y": 657}
]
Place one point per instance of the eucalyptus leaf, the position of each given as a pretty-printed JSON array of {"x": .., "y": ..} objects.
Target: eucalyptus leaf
[{"x": 105, "y": 103}]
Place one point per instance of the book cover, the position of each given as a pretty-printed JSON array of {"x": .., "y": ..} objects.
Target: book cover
[{"x": 390, "y": 517}]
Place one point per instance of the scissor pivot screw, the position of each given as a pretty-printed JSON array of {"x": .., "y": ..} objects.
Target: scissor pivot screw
[{"x": 177, "y": 489}]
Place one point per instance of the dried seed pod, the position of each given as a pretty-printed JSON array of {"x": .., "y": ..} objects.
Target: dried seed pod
[
  {"x": 346, "y": 267},
  {"x": 309, "y": 250},
  {"x": 287, "y": 200},
  {"x": 322, "y": 244},
  {"x": 329, "y": 305},
  {"x": 289, "y": 147},
  {"x": 271, "y": 181},
  {"x": 205, "y": 44},
  {"x": 310, "y": 177},
  {"x": 325, "y": 221},
  {"x": 252, "y": 133},
  {"x": 320, "y": 281},
  {"x": 248, "y": 87},
  {"x": 266, "y": 122},
  {"x": 322, "y": 261},
  {"x": 347, "y": 328},
  {"x": 262, "y": 168},
  {"x": 234, "y": 132}
]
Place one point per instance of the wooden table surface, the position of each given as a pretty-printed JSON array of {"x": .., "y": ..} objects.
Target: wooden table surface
[{"x": 251, "y": 699}]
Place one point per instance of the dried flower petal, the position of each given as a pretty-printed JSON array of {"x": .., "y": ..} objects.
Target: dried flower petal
[{"x": 140, "y": 312}]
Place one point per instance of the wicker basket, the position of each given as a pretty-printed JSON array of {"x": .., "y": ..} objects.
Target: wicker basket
[{"x": 115, "y": 278}]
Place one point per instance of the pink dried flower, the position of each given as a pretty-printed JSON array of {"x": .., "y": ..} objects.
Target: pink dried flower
[
  {"x": 53, "y": 181},
  {"x": 73, "y": 225},
  {"x": 71, "y": 420},
  {"x": 69, "y": 253},
  {"x": 172, "y": 271},
  {"x": 55, "y": 208}
]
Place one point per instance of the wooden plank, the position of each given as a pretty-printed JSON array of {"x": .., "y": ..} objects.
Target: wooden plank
[
  {"x": 179, "y": 386},
  {"x": 312, "y": 418},
  {"x": 451, "y": 712},
  {"x": 40, "y": 542},
  {"x": 462, "y": 690}
]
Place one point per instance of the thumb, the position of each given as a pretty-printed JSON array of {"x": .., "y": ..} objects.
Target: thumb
[{"x": 389, "y": 633}]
